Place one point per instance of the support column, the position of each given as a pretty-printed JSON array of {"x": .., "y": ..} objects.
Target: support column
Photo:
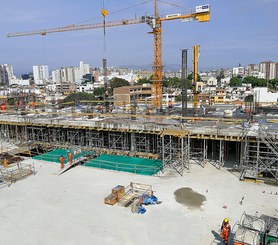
[{"x": 133, "y": 142}]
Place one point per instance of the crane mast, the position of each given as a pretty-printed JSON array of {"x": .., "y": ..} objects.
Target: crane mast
[
  {"x": 157, "y": 59},
  {"x": 202, "y": 14}
]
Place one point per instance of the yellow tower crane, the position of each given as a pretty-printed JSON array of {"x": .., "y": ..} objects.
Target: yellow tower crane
[{"x": 201, "y": 14}]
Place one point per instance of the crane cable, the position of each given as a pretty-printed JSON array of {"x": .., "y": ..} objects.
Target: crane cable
[
  {"x": 104, "y": 12},
  {"x": 173, "y": 4},
  {"x": 114, "y": 12}
]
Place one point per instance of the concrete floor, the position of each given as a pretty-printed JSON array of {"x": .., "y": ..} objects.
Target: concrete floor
[{"x": 69, "y": 209}]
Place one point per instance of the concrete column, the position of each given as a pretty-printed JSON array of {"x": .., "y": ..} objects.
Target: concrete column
[{"x": 133, "y": 142}]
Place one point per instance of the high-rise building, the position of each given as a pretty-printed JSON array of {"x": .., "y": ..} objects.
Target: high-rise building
[
  {"x": 269, "y": 69},
  {"x": 239, "y": 71},
  {"x": 6, "y": 74},
  {"x": 41, "y": 74},
  {"x": 84, "y": 69},
  {"x": 56, "y": 76}
]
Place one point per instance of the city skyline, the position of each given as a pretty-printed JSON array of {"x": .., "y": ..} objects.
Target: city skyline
[{"x": 238, "y": 32}]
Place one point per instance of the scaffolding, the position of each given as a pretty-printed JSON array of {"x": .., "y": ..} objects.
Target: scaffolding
[
  {"x": 260, "y": 154},
  {"x": 177, "y": 144},
  {"x": 197, "y": 150},
  {"x": 175, "y": 150}
]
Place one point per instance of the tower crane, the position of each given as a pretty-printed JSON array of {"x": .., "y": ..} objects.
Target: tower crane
[{"x": 201, "y": 14}]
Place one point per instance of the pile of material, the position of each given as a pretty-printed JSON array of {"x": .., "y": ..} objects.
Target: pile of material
[
  {"x": 145, "y": 199},
  {"x": 135, "y": 195},
  {"x": 7, "y": 159},
  {"x": 116, "y": 194}
]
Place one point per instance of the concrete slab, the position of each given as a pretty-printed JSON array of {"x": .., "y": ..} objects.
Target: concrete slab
[{"x": 69, "y": 209}]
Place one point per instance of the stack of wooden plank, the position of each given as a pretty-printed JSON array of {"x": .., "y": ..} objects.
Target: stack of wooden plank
[{"x": 117, "y": 193}]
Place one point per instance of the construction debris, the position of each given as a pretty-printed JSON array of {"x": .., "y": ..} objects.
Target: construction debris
[{"x": 6, "y": 159}]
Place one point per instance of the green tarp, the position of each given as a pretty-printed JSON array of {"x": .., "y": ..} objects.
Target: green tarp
[
  {"x": 126, "y": 164},
  {"x": 53, "y": 156}
]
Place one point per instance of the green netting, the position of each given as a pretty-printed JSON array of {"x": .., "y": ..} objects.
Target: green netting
[
  {"x": 126, "y": 164},
  {"x": 53, "y": 156}
]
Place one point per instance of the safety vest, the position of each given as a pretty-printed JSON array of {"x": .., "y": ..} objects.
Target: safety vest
[
  {"x": 225, "y": 232},
  {"x": 62, "y": 159}
]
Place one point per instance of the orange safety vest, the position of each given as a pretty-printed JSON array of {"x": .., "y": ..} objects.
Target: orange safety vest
[
  {"x": 225, "y": 231},
  {"x": 62, "y": 160}
]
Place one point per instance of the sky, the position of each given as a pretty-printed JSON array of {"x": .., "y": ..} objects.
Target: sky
[{"x": 240, "y": 31}]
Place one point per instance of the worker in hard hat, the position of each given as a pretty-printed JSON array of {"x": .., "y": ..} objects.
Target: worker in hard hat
[
  {"x": 62, "y": 160},
  {"x": 225, "y": 231}
]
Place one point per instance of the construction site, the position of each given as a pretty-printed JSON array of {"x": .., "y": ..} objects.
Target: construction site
[
  {"x": 57, "y": 168},
  {"x": 183, "y": 152}
]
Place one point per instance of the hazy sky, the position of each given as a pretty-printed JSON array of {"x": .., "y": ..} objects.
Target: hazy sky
[{"x": 240, "y": 31}]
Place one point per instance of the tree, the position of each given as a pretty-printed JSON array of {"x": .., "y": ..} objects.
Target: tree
[
  {"x": 256, "y": 82},
  {"x": 141, "y": 81},
  {"x": 76, "y": 97},
  {"x": 220, "y": 76},
  {"x": 116, "y": 82},
  {"x": 173, "y": 82},
  {"x": 273, "y": 83},
  {"x": 190, "y": 77},
  {"x": 99, "y": 92},
  {"x": 235, "y": 82}
]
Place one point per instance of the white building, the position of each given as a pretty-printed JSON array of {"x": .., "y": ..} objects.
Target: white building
[
  {"x": 56, "y": 76},
  {"x": 263, "y": 96},
  {"x": 6, "y": 74},
  {"x": 238, "y": 71},
  {"x": 41, "y": 74},
  {"x": 130, "y": 77},
  {"x": 88, "y": 88},
  {"x": 84, "y": 69},
  {"x": 20, "y": 82},
  {"x": 70, "y": 74}
]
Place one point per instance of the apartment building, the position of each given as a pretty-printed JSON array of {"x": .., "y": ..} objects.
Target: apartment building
[
  {"x": 6, "y": 74},
  {"x": 41, "y": 74}
]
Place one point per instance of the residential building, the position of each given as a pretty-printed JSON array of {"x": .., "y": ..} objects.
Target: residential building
[
  {"x": 269, "y": 69},
  {"x": 220, "y": 96},
  {"x": 262, "y": 95},
  {"x": 84, "y": 69},
  {"x": 6, "y": 74},
  {"x": 125, "y": 95},
  {"x": 20, "y": 82},
  {"x": 238, "y": 71},
  {"x": 41, "y": 74}
]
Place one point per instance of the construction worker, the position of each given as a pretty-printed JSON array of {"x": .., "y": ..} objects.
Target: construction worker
[
  {"x": 170, "y": 104},
  {"x": 225, "y": 231},
  {"x": 62, "y": 160},
  {"x": 70, "y": 157}
]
